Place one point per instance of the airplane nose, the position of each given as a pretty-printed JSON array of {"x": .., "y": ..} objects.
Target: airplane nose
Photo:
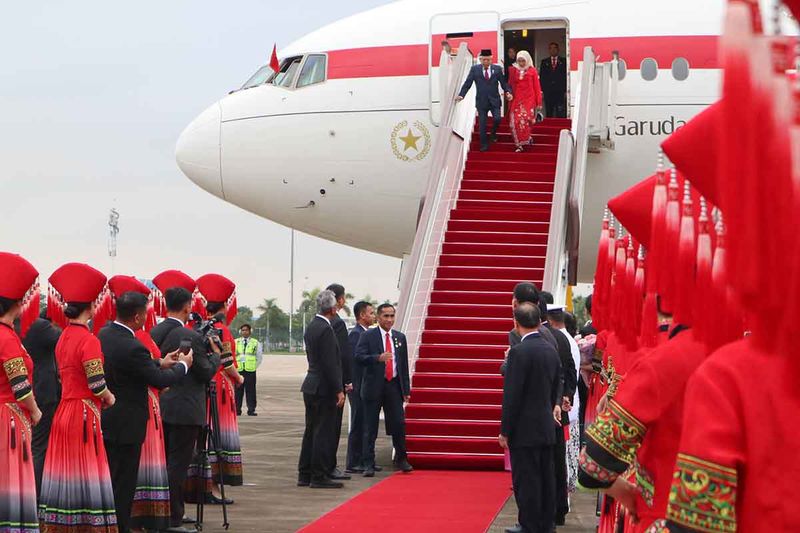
[{"x": 198, "y": 150}]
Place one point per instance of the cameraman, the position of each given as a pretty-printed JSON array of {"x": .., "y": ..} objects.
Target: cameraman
[{"x": 183, "y": 406}]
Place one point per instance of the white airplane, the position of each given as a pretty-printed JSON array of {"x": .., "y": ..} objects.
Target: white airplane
[{"x": 338, "y": 144}]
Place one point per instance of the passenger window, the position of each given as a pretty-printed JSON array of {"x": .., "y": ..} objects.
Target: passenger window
[
  {"x": 622, "y": 69},
  {"x": 680, "y": 69},
  {"x": 313, "y": 71},
  {"x": 285, "y": 77},
  {"x": 649, "y": 69},
  {"x": 261, "y": 76}
]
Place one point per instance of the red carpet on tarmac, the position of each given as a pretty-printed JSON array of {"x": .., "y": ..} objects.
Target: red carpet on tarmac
[{"x": 427, "y": 500}]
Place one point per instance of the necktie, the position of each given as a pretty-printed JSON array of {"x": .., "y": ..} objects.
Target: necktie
[
  {"x": 553, "y": 62},
  {"x": 486, "y": 74},
  {"x": 389, "y": 364}
]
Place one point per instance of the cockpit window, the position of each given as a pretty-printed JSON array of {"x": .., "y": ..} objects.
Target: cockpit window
[
  {"x": 261, "y": 76},
  {"x": 313, "y": 71},
  {"x": 289, "y": 67}
]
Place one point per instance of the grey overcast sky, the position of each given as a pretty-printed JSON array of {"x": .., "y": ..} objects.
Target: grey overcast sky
[{"x": 94, "y": 95}]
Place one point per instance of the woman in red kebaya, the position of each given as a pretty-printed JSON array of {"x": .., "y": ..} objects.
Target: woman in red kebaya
[
  {"x": 18, "y": 409},
  {"x": 76, "y": 484},
  {"x": 524, "y": 81}
]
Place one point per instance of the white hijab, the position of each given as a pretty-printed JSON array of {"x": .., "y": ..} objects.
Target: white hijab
[{"x": 528, "y": 62}]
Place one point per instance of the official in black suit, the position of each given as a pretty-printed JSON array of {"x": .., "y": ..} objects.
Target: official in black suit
[
  {"x": 365, "y": 318},
  {"x": 525, "y": 292},
  {"x": 129, "y": 370},
  {"x": 346, "y": 357},
  {"x": 553, "y": 77},
  {"x": 488, "y": 79},
  {"x": 531, "y": 398},
  {"x": 323, "y": 394},
  {"x": 383, "y": 353},
  {"x": 40, "y": 342},
  {"x": 183, "y": 406}
]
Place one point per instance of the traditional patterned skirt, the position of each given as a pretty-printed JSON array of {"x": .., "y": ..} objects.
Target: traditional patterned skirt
[
  {"x": 76, "y": 484},
  {"x": 151, "y": 500},
  {"x": 573, "y": 452},
  {"x": 521, "y": 122},
  {"x": 17, "y": 482},
  {"x": 201, "y": 477}
]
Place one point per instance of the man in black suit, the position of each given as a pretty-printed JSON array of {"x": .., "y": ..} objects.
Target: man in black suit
[
  {"x": 183, "y": 406},
  {"x": 365, "y": 318},
  {"x": 383, "y": 354},
  {"x": 323, "y": 395},
  {"x": 129, "y": 370},
  {"x": 40, "y": 342},
  {"x": 525, "y": 293},
  {"x": 531, "y": 389},
  {"x": 487, "y": 79},
  {"x": 553, "y": 77},
  {"x": 346, "y": 357}
]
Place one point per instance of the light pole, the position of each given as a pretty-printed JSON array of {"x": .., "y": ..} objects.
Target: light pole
[
  {"x": 113, "y": 231},
  {"x": 291, "y": 292}
]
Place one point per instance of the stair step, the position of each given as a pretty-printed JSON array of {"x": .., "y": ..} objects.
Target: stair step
[
  {"x": 497, "y": 226},
  {"x": 464, "y": 213},
  {"x": 538, "y": 211},
  {"x": 494, "y": 237},
  {"x": 478, "y": 311},
  {"x": 501, "y": 286},
  {"x": 468, "y": 297},
  {"x": 458, "y": 396},
  {"x": 506, "y": 185},
  {"x": 510, "y": 196},
  {"x": 464, "y": 337},
  {"x": 451, "y": 461},
  {"x": 488, "y": 273},
  {"x": 456, "y": 428},
  {"x": 453, "y": 412},
  {"x": 453, "y": 444},
  {"x": 510, "y": 166},
  {"x": 485, "y": 260},
  {"x": 457, "y": 366},
  {"x": 548, "y": 176},
  {"x": 476, "y": 324},
  {"x": 540, "y": 153},
  {"x": 466, "y": 248},
  {"x": 463, "y": 351},
  {"x": 457, "y": 381}
]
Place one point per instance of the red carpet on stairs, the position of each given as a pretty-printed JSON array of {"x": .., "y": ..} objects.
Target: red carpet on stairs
[
  {"x": 425, "y": 501},
  {"x": 496, "y": 237}
]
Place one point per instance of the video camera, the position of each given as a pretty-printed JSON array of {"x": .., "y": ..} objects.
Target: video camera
[{"x": 206, "y": 330}]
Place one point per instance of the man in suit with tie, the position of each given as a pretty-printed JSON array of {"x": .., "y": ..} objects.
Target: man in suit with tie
[
  {"x": 383, "y": 353},
  {"x": 183, "y": 406},
  {"x": 365, "y": 318},
  {"x": 346, "y": 357},
  {"x": 323, "y": 395},
  {"x": 530, "y": 390},
  {"x": 553, "y": 77},
  {"x": 129, "y": 370},
  {"x": 488, "y": 78},
  {"x": 40, "y": 343}
]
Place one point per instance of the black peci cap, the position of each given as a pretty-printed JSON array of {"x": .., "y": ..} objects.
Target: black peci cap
[{"x": 486, "y": 52}]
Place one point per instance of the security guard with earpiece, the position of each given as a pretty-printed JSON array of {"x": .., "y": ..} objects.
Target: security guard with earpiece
[{"x": 249, "y": 353}]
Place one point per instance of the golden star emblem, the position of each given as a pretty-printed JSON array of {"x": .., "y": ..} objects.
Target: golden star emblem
[{"x": 410, "y": 141}]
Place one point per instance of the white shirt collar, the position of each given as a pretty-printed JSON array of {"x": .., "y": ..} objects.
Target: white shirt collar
[
  {"x": 178, "y": 320},
  {"x": 384, "y": 332},
  {"x": 124, "y": 326},
  {"x": 529, "y": 334},
  {"x": 325, "y": 319}
]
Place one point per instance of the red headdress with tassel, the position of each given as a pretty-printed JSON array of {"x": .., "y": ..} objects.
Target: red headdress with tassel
[
  {"x": 75, "y": 283},
  {"x": 703, "y": 310},
  {"x": 19, "y": 281},
  {"x": 169, "y": 279},
  {"x": 687, "y": 258},
  {"x": 218, "y": 288},
  {"x": 119, "y": 285},
  {"x": 599, "y": 296}
]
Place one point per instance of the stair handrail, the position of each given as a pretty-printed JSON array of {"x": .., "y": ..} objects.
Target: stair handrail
[{"x": 447, "y": 166}]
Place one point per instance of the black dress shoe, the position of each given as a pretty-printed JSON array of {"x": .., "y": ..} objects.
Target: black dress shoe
[
  {"x": 484, "y": 148},
  {"x": 355, "y": 470},
  {"x": 561, "y": 520},
  {"x": 493, "y": 138},
  {"x": 377, "y": 468},
  {"x": 338, "y": 474},
  {"x": 369, "y": 472},
  {"x": 187, "y": 520},
  {"x": 325, "y": 484},
  {"x": 303, "y": 481},
  {"x": 213, "y": 500},
  {"x": 252, "y": 414},
  {"x": 238, "y": 413},
  {"x": 514, "y": 529},
  {"x": 404, "y": 465},
  {"x": 181, "y": 529}
]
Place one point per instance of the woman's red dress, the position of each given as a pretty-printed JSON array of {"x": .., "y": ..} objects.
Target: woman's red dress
[{"x": 527, "y": 97}]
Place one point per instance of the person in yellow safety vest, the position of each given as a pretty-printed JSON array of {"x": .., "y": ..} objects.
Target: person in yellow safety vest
[{"x": 249, "y": 354}]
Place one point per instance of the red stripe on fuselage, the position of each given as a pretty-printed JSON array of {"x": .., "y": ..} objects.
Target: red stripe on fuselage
[{"x": 412, "y": 59}]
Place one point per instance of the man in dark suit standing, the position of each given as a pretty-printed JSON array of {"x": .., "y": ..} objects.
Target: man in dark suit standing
[
  {"x": 488, "y": 78},
  {"x": 383, "y": 353},
  {"x": 531, "y": 389},
  {"x": 346, "y": 357},
  {"x": 365, "y": 318},
  {"x": 183, "y": 406},
  {"x": 323, "y": 395},
  {"x": 553, "y": 76},
  {"x": 40, "y": 342},
  {"x": 129, "y": 370}
]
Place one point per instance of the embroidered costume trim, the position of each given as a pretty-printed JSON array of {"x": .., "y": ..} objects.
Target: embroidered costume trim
[
  {"x": 618, "y": 432},
  {"x": 703, "y": 495},
  {"x": 17, "y": 374},
  {"x": 95, "y": 376}
]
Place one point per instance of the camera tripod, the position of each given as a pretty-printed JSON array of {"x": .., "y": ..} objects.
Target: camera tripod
[{"x": 209, "y": 440}]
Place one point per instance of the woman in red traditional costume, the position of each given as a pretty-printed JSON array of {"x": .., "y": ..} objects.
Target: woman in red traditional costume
[
  {"x": 150, "y": 509},
  {"x": 76, "y": 484},
  {"x": 219, "y": 294},
  {"x": 524, "y": 81},
  {"x": 18, "y": 409}
]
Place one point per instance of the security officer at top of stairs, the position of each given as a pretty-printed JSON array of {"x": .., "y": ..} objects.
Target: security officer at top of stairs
[{"x": 249, "y": 354}]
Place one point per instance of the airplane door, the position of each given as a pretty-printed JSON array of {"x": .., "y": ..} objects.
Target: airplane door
[{"x": 479, "y": 29}]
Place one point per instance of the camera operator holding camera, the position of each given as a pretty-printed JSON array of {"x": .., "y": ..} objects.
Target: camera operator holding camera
[{"x": 183, "y": 406}]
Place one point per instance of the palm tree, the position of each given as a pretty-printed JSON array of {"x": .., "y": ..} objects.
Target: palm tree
[{"x": 266, "y": 307}]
